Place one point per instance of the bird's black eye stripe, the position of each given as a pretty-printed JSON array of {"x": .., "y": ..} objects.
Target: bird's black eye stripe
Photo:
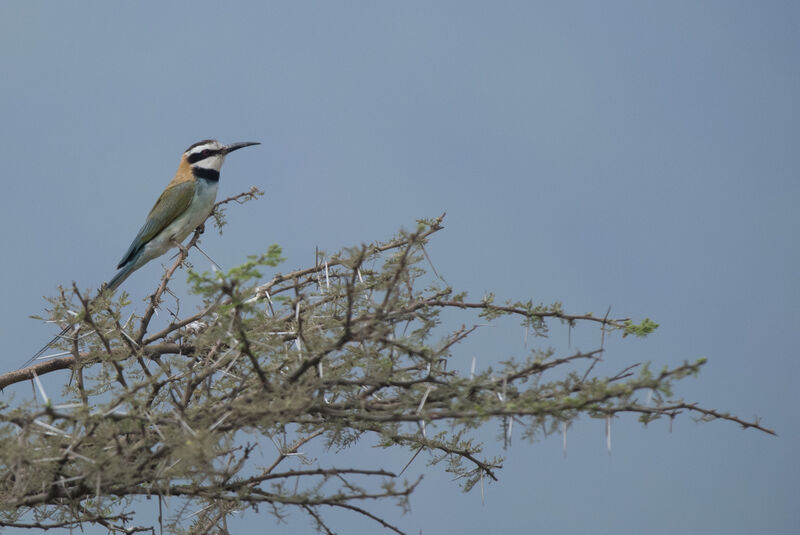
[{"x": 202, "y": 155}]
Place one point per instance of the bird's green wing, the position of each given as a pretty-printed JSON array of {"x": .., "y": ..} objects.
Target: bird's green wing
[{"x": 170, "y": 205}]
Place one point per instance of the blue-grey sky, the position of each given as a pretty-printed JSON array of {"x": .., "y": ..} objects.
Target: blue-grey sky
[{"x": 638, "y": 154}]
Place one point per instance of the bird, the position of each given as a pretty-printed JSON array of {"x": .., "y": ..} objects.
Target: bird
[{"x": 183, "y": 206}]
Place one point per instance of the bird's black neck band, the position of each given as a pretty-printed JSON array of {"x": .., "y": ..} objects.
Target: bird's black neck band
[{"x": 212, "y": 175}]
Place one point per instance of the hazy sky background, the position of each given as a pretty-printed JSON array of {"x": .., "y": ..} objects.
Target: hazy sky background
[{"x": 637, "y": 154}]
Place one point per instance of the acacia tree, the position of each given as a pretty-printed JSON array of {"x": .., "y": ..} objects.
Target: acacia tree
[{"x": 350, "y": 347}]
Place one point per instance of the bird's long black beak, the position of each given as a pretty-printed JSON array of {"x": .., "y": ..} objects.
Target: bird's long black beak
[{"x": 236, "y": 146}]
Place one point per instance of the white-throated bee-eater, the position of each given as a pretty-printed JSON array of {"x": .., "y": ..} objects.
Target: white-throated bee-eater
[
  {"x": 181, "y": 208},
  {"x": 184, "y": 205}
]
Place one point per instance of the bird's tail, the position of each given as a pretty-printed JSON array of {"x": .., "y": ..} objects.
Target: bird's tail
[{"x": 120, "y": 277}]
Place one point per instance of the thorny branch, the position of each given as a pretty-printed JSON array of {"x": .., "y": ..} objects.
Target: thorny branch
[{"x": 346, "y": 349}]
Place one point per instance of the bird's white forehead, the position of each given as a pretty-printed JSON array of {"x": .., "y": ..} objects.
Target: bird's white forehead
[{"x": 211, "y": 144}]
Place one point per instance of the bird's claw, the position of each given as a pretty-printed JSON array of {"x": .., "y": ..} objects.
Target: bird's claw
[{"x": 180, "y": 246}]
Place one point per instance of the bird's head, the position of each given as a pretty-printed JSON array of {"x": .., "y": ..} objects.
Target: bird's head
[{"x": 210, "y": 153}]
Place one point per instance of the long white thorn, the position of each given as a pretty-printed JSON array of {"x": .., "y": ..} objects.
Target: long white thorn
[
  {"x": 54, "y": 355},
  {"x": 218, "y": 422},
  {"x": 424, "y": 398},
  {"x": 68, "y": 406},
  {"x": 52, "y": 429},
  {"x": 40, "y": 387},
  {"x": 207, "y": 507},
  {"x": 186, "y": 426},
  {"x": 268, "y": 306},
  {"x": 79, "y": 456}
]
